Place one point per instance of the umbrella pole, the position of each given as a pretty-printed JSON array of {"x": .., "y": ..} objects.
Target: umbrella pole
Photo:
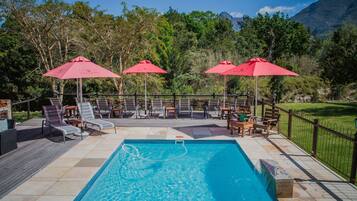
[
  {"x": 224, "y": 91},
  {"x": 256, "y": 96},
  {"x": 80, "y": 102},
  {"x": 145, "y": 93},
  {"x": 77, "y": 89}
]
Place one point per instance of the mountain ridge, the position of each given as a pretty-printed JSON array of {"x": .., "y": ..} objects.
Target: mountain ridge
[{"x": 324, "y": 16}]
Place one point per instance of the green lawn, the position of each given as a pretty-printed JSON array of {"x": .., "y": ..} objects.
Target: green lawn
[
  {"x": 333, "y": 150},
  {"x": 340, "y": 115},
  {"x": 21, "y": 116}
]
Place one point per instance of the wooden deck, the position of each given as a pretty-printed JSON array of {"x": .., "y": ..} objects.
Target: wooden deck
[{"x": 35, "y": 152}]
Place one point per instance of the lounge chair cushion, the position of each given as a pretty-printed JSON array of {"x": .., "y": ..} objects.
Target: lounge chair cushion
[
  {"x": 101, "y": 123},
  {"x": 68, "y": 129}
]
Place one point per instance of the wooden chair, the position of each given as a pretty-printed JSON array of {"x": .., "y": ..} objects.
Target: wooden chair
[{"x": 269, "y": 120}]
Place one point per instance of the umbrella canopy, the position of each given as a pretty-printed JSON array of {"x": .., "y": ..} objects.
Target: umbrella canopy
[
  {"x": 222, "y": 67},
  {"x": 257, "y": 67},
  {"x": 80, "y": 67},
  {"x": 145, "y": 67}
]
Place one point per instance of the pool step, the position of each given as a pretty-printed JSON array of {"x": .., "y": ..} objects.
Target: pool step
[{"x": 179, "y": 139}]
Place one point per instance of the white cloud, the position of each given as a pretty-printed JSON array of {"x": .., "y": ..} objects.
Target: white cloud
[
  {"x": 272, "y": 10},
  {"x": 236, "y": 14}
]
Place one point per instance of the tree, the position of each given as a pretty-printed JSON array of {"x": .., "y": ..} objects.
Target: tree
[
  {"x": 47, "y": 27},
  {"x": 18, "y": 65},
  {"x": 338, "y": 59},
  {"x": 278, "y": 37}
]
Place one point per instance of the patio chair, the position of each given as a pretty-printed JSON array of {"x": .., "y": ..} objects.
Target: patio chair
[
  {"x": 130, "y": 108},
  {"x": 157, "y": 108},
  {"x": 212, "y": 109},
  {"x": 104, "y": 107},
  {"x": 53, "y": 119},
  {"x": 87, "y": 115},
  {"x": 184, "y": 107},
  {"x": 268, "y": 121}
]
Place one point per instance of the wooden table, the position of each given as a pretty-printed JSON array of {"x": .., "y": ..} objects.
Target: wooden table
[
  {"x": 241, "y": 127},
  {"x": 70, "y": 111},
  {"x": 225, "y": 112},
  {"x": 169, "y": 110},
  {"x": 118, "y": 112}
]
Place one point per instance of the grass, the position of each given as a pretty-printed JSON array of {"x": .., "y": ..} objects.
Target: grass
[
  {"x": 337, "y": 115},
  {"x": 21, "y": 116},
  {"x": 333, "y": 150}
]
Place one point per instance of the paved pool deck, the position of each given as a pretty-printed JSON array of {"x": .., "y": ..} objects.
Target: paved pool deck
[{"x": 65, "y": 177}]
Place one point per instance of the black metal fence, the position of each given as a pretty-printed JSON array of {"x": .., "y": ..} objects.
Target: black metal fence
[
  {"x": 336, "y": 148},
  {"x": 197, "y": 100}
]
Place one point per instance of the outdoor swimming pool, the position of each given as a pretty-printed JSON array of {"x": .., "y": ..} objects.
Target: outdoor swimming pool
[{"x": 165, "y": 170}]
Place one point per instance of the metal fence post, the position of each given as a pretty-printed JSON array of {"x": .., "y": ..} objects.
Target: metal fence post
[
  {"x": 314, "y": 137},
  {"x": 290, "y": 121},
  {"x": 174, "y": 96},
  {"x": 354, "y": 161},
  {"x": 28, "y": 109}
]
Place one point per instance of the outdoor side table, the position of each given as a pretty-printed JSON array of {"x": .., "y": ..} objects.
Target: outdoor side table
[
  {"x": 170, "y": 110},
  {"x": 241, "y": 127},
  {"x": 225, "y": 112},
  {"x": 117, "y": 112}
]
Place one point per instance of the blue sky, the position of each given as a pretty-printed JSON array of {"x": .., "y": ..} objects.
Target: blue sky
[{"x": 234, "y": 7}]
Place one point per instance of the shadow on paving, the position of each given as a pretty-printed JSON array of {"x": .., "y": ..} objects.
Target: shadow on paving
[
  {"x": 207, "y": 130},
  {"x": 311, "y": 176}
]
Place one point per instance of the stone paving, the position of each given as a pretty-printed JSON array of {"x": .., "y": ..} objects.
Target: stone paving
[{"x": 64, "y": 178}]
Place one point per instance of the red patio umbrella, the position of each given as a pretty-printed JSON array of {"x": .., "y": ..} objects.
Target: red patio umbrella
[
  {"x": 78, "y": 68},
  {"x": 144, "y": 67},
  {"x": 219, "y": 69},
  {"x": 258, "y": 67}
]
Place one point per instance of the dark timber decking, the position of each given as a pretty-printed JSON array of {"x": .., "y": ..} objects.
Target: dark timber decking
[{"x": 35, "y": 152}]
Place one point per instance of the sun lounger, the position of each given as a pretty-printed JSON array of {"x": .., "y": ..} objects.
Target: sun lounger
[
  {"x": 212, "y": 109},
  {"x": 130, "y": 108},
  {"x": 54, "y": 120},
  {"x": 87, "y": 115},
  {"x": 103, "y": 107},
  {"x": 184, "y": 107},
  {"x": 157, "y": 108}
]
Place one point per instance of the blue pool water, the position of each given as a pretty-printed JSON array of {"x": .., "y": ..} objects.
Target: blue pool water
[{"x": 155, "y": 170}]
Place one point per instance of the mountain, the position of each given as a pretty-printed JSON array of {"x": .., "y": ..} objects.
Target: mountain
[
  {"x": 325, "y": 16},
  {"x": 236, "y": 21}
]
